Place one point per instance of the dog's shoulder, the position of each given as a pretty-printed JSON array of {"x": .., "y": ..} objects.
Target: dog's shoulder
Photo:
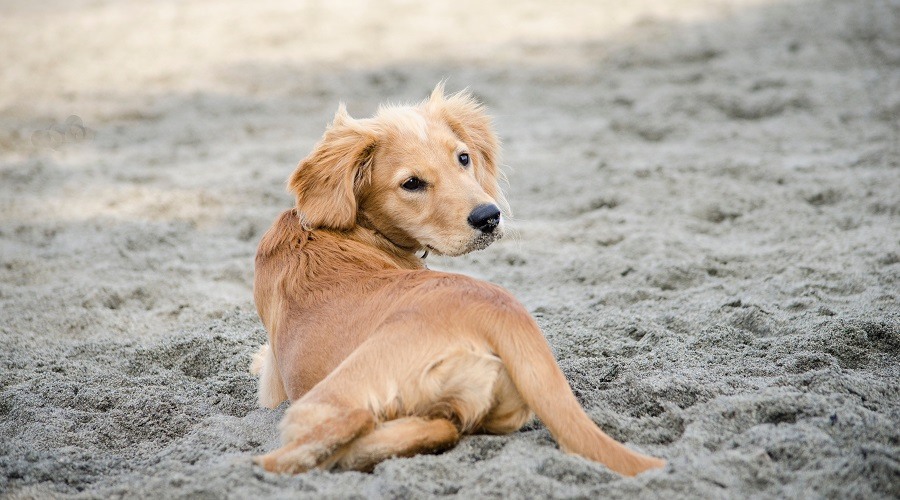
[
  {"x": 286, "y": 231},
  {"x": 464, "y": 288}
]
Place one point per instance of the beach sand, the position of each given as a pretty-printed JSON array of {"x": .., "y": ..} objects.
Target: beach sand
[{"x": 706, "y": 200}]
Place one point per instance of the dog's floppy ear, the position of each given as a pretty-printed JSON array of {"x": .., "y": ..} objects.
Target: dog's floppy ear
[
  {"x": 325, "y": 181},
  {"x": 466, "y": 117}
]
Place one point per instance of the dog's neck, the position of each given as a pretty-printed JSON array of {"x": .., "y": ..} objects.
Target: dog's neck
[
  {"x": 405, "y": 257},
  {"x": 367, "y": 233}
]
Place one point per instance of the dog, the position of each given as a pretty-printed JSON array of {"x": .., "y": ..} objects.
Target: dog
[{"x": 380, "y": 356}]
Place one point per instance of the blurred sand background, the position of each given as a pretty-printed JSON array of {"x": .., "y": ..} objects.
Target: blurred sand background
[{"x": 706, "y": 197}]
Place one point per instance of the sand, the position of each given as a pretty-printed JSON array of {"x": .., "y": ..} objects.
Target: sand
[{"x": 707, "y": 212}]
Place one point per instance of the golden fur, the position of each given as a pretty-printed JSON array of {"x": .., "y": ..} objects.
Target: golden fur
[{"x": 381, "y": 356}]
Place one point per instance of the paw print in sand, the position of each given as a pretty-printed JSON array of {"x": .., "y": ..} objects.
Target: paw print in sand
[{"x": 57, "y": 135}]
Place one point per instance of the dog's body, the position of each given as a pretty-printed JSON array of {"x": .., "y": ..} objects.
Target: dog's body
[{"x": 380, "y": 356}]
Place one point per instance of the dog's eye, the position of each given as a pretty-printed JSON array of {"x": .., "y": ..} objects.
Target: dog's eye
[
  {"x": 413, "y": 184},
  {"x": 463, "y": 159}
]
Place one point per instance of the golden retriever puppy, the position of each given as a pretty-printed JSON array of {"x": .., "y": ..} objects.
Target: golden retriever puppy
[{"x": 380, "y": 356}]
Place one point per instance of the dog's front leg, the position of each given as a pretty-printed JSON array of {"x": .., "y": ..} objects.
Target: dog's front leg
[{"x": 271, "y": 390}]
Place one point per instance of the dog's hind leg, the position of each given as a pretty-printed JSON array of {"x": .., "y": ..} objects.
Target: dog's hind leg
[
  {"x": 271, "y": 390},
  {"x": 317, "y": 428},
  {"x": 334, "y": 423},
  {"x": 403, "y": 437},
  {"x": 312, "y": 432}
]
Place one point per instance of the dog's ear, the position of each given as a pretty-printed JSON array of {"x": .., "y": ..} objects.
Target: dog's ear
[
  {"x": 466, "y": 117},
  {"x": 325, "y": 182}
]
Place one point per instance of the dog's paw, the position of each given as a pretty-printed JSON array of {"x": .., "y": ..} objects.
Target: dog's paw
[
  {"x": 286, "y": 461},
  {"x": 256, "y": 365}
]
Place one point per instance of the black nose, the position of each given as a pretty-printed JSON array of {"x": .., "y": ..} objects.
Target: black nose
[{"x": 485, "y": 218}]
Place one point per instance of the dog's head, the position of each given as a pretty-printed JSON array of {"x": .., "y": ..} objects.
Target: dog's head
[{"x": 422, "y": 177}]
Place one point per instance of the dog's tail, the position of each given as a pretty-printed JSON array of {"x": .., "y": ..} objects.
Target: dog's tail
[{"x": 533, "y": 369}]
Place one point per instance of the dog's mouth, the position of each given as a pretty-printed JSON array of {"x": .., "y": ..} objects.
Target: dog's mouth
[
  {"x": 479, "y": 242},
  {"x": 484, "y": 240}
]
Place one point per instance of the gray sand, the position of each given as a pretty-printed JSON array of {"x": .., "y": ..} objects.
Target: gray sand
[{"x": 707, "y": 202}]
